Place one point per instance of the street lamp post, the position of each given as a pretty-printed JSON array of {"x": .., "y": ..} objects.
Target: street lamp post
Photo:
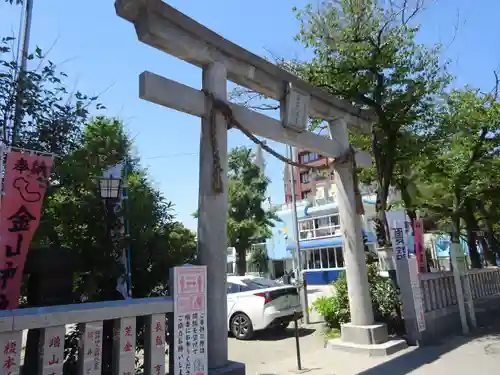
[{"x": 113, "y": 187}]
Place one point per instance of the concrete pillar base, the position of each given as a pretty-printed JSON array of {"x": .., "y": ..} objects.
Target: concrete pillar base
[
  {"x": 374, "y": 350},
  {"x": 366, "y": 335},
  {"x": 231, "y": 368},
  {"x": 372, "y": 340}
]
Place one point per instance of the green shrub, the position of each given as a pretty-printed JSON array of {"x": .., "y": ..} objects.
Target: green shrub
[{"x": 385, "y": 302}]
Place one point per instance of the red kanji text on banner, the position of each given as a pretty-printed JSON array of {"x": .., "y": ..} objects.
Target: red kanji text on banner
[{"x": 25, "y": 183}]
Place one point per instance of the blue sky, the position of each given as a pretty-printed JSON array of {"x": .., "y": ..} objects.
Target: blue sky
[{"x": 102, "y": 55}]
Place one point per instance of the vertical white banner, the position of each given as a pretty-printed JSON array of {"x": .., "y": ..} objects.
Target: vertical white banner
[{"x": 397, "y": 221}]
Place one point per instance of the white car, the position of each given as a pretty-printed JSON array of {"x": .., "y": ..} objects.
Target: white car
[{"x": 255, "y": 303}]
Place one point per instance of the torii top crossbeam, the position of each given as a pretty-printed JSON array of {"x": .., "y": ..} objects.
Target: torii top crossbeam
[{"x": 163, "y": 27}]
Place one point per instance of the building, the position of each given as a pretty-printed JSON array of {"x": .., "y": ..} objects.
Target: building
[
  {"x": 319, "y": 235},
  {"x": 306, "y": 183},
  {"x": 318, "y": 221}
]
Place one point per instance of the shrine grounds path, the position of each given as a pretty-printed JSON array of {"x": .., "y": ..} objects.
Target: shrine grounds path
[{"x": 271, "y": 354}]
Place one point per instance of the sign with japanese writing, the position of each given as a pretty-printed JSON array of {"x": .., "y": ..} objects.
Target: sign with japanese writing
[
  {"x": 154, "y": 359},
  {"x": 399, "y": 227},
  {"x": 417, "y": 294},
  {"x": 190, "y": 319},
  {"x": 125, "y": 350},
  {"x": 25, "y": 183},
  {"x": 11, "y": 346},
  {"x": 90, "y": 355},
  {"x": 53, "y": 350}
]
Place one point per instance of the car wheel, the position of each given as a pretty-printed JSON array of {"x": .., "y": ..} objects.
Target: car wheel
[{"x": 241, "y": 326}]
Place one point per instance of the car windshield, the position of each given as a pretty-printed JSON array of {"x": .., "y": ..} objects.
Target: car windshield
[{"x": 259, "y": 283}]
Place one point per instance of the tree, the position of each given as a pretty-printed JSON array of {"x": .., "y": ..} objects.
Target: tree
[
  {"x": 259, "y": 259},
  {"x": 73, "y": 218},
  {"x": 74, "y": 212},
  {"x": 365, "y": 51},
  {"x": 248, "y": 222},
  {"x": 463, "y": 173},
  {"x": 51, "y": 118}
]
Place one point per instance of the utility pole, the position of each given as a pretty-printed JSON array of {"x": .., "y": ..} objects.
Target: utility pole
[
  {"x": 22, "y": 70},
  {"x": 298, "y": 263},
  {"x": 288, "y": 178}
]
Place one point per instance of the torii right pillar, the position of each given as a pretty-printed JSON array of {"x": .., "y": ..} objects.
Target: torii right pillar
[{"x": 362, "y": 334}]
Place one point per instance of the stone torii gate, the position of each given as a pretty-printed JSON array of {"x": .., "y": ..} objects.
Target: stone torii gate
[{"x": 163, "y": 27}]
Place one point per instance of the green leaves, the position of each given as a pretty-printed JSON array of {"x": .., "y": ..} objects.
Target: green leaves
[
  {"x": 463, "y": 148},
  {"x": 259, "y": 258},
  {"x": 366, "y": 52},
  {"x": 247, "y": 218},
  {"x": 77, "y": 218},
  {"x": 385, "y": 301}
]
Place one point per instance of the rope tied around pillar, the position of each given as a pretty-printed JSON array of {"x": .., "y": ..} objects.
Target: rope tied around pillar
[
  {"x": 223, "y": 107},
  {"x": 349, "y": 156},
  {"x": 217, "y": 173}
]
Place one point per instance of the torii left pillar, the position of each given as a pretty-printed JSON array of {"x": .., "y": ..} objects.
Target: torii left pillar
[{"x": 212, "y": 223}]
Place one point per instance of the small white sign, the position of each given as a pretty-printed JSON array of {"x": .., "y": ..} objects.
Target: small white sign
[
  {"x": 91, "y": 351},
  {"x": 398, "y": 225},
  {"x": 417, "y": 293},
  {"x": 296, "y": 113},
  {"x": 190, "y": 318}
]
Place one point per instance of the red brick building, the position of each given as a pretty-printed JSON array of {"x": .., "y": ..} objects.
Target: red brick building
[{"x": 305, "y": 181}]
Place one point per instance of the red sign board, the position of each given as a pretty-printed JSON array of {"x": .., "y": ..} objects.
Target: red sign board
[
  {"x": 25, "y": 183},
  {"x": 419, "y": 245}
]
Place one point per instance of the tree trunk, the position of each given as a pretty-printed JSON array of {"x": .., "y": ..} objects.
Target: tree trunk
[
  {"x": 475, "y": 257},
  {"x": 489, "y": 256},
  {"x": 384, "y": 164},
  {"x": 489, "y": 238},
  {"x": 241, "y": 261},
  {"x": 381, "y": 226},
  {"x": 412, "y": 214},
  {"x": 407, "y": 200},
  {"x": 472, "y": 226}
]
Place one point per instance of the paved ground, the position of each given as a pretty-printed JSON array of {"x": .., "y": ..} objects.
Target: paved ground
[
  {"x": 267, "y": 347},
  {"x": 271, "y": 355},
  {"x": 275, "y": 354}
]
